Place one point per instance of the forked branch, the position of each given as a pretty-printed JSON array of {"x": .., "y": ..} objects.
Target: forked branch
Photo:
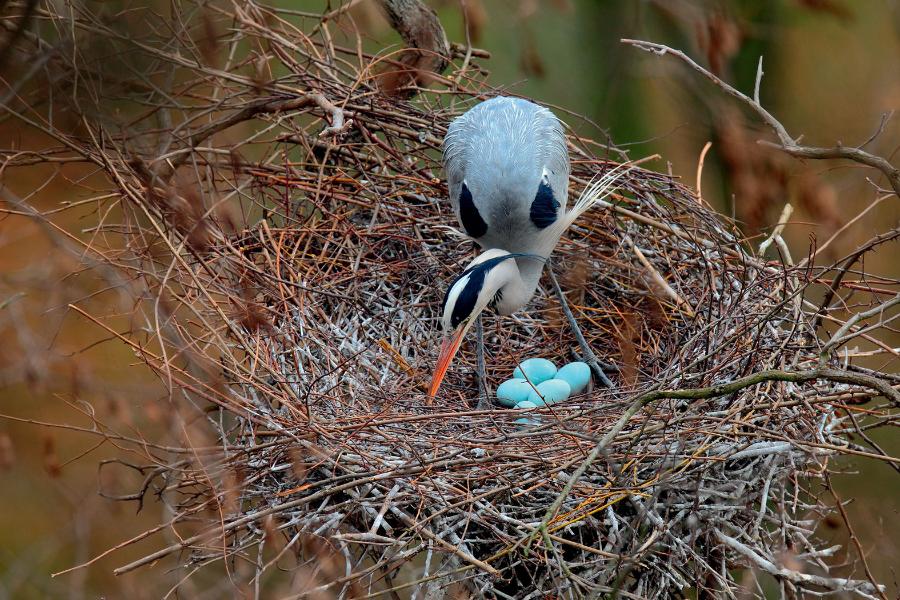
[
  {"x": 339, "y": 124},
  {"x": 786, "y": 142}
]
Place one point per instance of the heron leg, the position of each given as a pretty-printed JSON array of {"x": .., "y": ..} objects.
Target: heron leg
[
  {"x": 589, "y": 357},
  {"x": 484, "y": 402}
]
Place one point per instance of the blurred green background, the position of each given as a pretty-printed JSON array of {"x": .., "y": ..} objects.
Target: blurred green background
[{"x": 832, "y": 71}]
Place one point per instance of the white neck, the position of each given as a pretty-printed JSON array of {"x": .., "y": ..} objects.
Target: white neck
[{"x": 520, "y": 281}]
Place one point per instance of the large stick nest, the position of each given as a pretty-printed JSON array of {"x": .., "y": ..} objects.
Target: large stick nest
[{"x": 289, "y": 228}]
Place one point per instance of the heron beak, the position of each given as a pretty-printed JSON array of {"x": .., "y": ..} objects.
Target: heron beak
[{"x": 449, "y": 348}]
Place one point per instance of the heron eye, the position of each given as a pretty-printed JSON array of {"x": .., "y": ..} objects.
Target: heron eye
[
  {"x": 544, "y": 206},
  {"x": 469, "y": 215}
]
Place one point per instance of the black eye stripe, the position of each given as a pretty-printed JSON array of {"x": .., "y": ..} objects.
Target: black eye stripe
[
  {"x": 469, "y": 215},
  {"x": 544, "y": 206},
  {"x": 468, "y": 296}
]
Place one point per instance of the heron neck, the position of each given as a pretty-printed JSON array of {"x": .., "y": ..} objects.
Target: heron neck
[{"x": 521, "y": 286}]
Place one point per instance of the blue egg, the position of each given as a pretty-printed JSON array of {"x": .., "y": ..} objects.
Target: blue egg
[
  {"x": 576, "y": 374},
  {"x": 528, "y": 421},
  {"x": 513, "y": 391},
  {"x": 550, "y": 392},
  {"x": 538, "y": 370}
]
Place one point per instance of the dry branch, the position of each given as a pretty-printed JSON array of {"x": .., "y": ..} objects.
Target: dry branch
[
  {"x": 428, "y": 52},
  {"x": 786, "y": 143}
]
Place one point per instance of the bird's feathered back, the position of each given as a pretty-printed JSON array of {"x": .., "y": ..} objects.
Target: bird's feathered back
[
  {"x": 498, "y": 156},
  {"x": 504, "y": 127}
]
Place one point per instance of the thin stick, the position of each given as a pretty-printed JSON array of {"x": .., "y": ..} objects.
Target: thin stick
[
  {"x": 786, "y": 143},
  {"x": 700, "y": 161}
]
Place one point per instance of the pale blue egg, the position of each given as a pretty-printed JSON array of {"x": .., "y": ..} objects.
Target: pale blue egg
[
  {"x": 538, "y": 370},
  {"x": 576, "y": 374},
  {"x": 550, "y": 392},
  {"x": 513, "y": 391},
  {"x": 526, "y": 421}
]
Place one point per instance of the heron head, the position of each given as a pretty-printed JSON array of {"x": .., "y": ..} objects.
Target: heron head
[{"x": 480, "y": 285}]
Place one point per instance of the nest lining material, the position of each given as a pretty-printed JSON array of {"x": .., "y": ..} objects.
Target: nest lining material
[
  {"x": 688, "y": 488},
  {"x": 337, "y": 294},
  {"x": 299, "y": 279}
]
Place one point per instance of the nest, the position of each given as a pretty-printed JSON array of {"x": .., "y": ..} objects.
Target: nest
[{"x": 293, "y": 241}]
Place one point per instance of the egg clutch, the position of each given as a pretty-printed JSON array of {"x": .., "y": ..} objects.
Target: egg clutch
[{"x": 537, "y": 382}]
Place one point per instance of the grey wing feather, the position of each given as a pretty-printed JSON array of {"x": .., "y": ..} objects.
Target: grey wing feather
[{"x": 501, "y": 148}]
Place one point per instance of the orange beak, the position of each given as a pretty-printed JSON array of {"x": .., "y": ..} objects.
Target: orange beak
[{"x": 449, "y": 348}]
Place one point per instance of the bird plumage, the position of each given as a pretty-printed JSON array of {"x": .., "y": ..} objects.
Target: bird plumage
[
  {"x": 508, "y": 279},
  {"x": 489, "y": 280},
  {"x": 508, "y": 170}
]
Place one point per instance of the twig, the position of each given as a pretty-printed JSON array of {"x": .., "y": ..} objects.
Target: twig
[
  {"x": 786, "y": 143},
  {"x": 659, "y": 279},
  {"x": 700, "y": 161},
  {"x": 786, "y": 213},
  {"x": 841, "y": 336},
  {"x": 339, "y": 124},
  {"x": 863, "y": 588}
]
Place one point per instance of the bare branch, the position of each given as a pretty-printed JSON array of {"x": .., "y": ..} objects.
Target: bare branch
[
  {"x": 338, "y": 126},
  {"x": 428, "y": 49},
  {"x": 865, "y": 589},
  {"x": 786, "y": 143},
  {"x": 759, "y": 76}
]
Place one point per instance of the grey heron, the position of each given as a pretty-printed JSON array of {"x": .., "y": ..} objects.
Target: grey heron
[{"x": 507, "y": 170}]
